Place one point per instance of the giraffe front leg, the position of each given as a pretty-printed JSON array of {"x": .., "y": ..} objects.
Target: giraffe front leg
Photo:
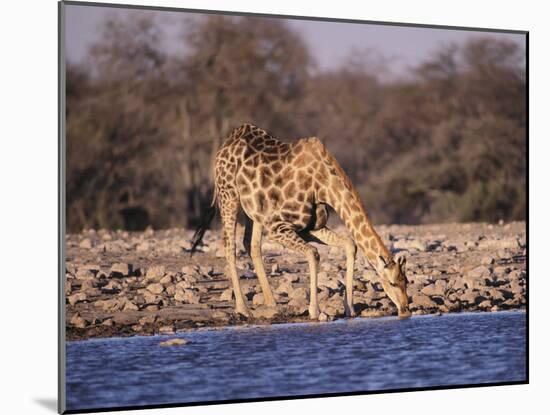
[
  {"x": 256, "y": 254},
  {"x": 252, "y": 243},
  {"x": 331, "y": 238},
  {"x": 228, "y": 209},
  {"x": 284, "y": 234}
]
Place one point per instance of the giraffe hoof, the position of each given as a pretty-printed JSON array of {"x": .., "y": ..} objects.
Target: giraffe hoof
[
  {"x": 243, "y": 312},
  {"x": 313, "y": 313}
]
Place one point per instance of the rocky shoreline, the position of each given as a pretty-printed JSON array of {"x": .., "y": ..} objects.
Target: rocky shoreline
[{"x": 141, "y": 283}]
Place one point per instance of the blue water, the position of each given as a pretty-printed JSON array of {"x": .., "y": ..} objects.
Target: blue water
[{"x": 298, "y": 359}]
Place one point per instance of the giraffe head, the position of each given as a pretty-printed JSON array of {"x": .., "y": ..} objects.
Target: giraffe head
[{"x": 394, "y": 283}]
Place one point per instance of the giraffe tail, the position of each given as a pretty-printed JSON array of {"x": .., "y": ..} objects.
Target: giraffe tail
[{"x": 206, "y": 220}]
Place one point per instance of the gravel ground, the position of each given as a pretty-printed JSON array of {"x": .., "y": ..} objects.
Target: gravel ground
[{"x": 140, "y": 283}]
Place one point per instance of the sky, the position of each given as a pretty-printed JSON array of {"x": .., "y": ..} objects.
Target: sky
[{"x": 329, "y": 42}]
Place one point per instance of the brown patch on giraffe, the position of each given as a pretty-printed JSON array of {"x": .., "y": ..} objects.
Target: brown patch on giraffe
[
  {"x": 271, "y": 150},
  {"x": 287, "y": 174},
  {"x": 291, "y": 205},
  {"x": 276, "y": 167},
  {"x": 278, "y": 181},
  {"x": 265, "y": 177},
  {"x": 357, "y": 220},
  {"x": 249, "y": 152},
  {"x": 250, "y": 174},
  {"x": 306, "y": 183},
  {"x": 244, "y": 188},
  {"x": 290, "y": 190},
  {"x": 290, "y": 216},
  {"x": 261, "y": 200},
  {"x": 248, "y": 203},
  {"x": 302, "y": 160},
  {"x": 301, "y": 197},
  {"x": 275, "y": 196}
]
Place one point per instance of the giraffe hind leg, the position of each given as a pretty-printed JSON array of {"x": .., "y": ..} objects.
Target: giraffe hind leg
[
  {"x": 228, "y": 208},
  {"x": 284, "y": 234},
  {"x": 252, "y": 242},
  {"x": 332, "y": 238}
]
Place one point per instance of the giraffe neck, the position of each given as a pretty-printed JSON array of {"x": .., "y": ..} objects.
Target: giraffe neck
[
  {"x": 343, "y": 197},
  {"x": 367, "y": 239}
]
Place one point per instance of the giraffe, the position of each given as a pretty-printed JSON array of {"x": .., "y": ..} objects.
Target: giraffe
[{"x": 284, "y": 190}]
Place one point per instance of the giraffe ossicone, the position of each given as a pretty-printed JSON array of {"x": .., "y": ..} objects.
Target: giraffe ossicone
[{"x": 284, "y": 190}]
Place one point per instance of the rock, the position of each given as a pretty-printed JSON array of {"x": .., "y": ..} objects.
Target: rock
[
  {"x": 298, "y": 303},
  {"x": 112, "y": 287},
  {"x": 479, "y": 272},
  {"x": 506, "y": 243},
  {"x": 258, "y": 299},
  {"x": 143, "y": 247},
  {"x": 120, "y": 270},
  {"x": 291, "y": 278},
  {"x": 325, "y": 281},
  {"x": 76, "y": 298},
  {"x": 472, "y": 298},
  {"x": 436, "y": 289},
  {"x": 130, "y": 306},
  {"x": 167, "y": 279},
  {"x": 86, "y": 243},
  {"x": 166, "y": 330},
  {"x": 107, "y": 322},
  {"x": 187, "y": 296},
  {"x": 486, "y": 304},
  {"x": 516, "y": 274},
  {"x": 155, "y": 288},
  {"x": 227, "y": 295},
  {"x": 275, "y": 269},
  {"x": 474, "y": 283},
  {"x": 487, "y": 260},
  {"x": 155, "y": 273},
  {"x": 284, "y": 287},
  {"x": 112, "y": 304},
  {"x": 323, "y": 317},
  {"x": 265, "y": 312},
  {"x": 84, "y": 274},
  {"x": 501, "y": 270},
  {"x": 188, "y": 270},
  {"x": 147, "y": 320},
  {"x": 173, "y": 342},
  {"x": 151, "y": 298},
  {"x": 496, "y": 295},
  {"x": 78, "y": 321},
  {"x": 298, "y": 293},
  {"x": 420, "y": 300},
  {"x": 183, "y": 285},
  {"x": 408, "y": 245},
  {"x": 373, "y": 313}
]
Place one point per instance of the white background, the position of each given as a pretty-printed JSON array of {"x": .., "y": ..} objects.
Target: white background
[{"x": 28, "y": 200}]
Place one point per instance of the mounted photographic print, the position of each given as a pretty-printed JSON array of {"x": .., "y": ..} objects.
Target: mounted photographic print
[{"x": 271, "y": 207}]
